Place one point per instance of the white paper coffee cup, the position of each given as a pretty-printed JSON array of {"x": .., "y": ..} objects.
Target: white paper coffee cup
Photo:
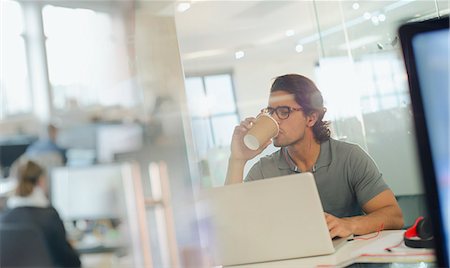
[{"x": 264, "y": 128}]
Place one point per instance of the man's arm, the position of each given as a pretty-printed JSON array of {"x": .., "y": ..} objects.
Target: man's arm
[
  {"x": 382, "y": 212},
  {"x": 235, "y": 171},
  {"x": 240, "y": 154}
]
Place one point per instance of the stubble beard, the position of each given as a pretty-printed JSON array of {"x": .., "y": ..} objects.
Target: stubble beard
[{"x": 278, "y": 143}]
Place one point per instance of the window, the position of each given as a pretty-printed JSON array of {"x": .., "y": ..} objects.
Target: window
[
  {"x": 213, "y": 111},
  {"x": 383, "y": 88},
  {"x": 373, "y": 83},
  {"x": 15, "y": 92},
  {"x": 83, "y": 65}
]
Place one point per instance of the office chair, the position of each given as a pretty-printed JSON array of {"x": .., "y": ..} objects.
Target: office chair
[{"x": 23, "y": 246}]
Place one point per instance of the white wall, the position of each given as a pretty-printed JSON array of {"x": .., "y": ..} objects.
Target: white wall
[
  {"x": 19, "y": 125},
  {"x": 253, "y": 80}
]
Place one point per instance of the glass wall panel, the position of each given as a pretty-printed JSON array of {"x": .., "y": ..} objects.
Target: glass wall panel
[
  {"x": 223, "y": 127},
  {"x": 221, "y": 97},
  {"x": 365, "y": 35},
  {"x": 196, "y": 97},
  {"x": 85, "y": 59},
  {"x": 213, "y": 115},
  {"x": 350, "y": 49}
]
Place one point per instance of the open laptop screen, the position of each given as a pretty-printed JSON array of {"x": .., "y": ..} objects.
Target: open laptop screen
[{"x": 425, "y": 47}]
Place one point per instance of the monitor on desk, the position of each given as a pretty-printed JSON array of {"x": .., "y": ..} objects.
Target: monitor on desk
[
  {"x": 88, "y": 193},
  {"x": 425, "y": 48},
  {"x": 8, "y": 154}
]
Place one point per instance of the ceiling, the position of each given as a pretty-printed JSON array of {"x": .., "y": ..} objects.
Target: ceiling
[{"x": 210, "y": 32}]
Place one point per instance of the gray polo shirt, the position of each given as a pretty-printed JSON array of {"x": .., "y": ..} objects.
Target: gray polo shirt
[{"x": 346, "y": 176}]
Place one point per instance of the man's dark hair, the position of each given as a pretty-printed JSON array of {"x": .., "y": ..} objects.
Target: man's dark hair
[{"x": 308, "y": 96}]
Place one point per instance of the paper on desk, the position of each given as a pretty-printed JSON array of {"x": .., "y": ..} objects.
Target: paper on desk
[
  {"x": 377, "y": 245},
  {"x": 376, "y": 250}
]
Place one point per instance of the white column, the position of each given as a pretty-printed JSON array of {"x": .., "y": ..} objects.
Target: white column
[{"x": 36, "y": 53}]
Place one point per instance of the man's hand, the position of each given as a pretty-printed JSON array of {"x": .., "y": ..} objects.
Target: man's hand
[
  {"x": 240, "y": 152},
  {"x": 338, "y": 227},
  {"x": 381, "y": 213}
]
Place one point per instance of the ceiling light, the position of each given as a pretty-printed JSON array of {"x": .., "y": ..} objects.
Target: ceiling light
[
  {"x": 381, "y": 17},
  {"x": 183, "y": 6},
  {"x": 290, "y": 32},
  {"x": 375, "y": 20},
  {"x": 355, "y": 6},
  {"x": 239, "y": 54},
  {"x": 367, "y": 15},
  {"x": 299, "y": 48},
  {"x": 203, "y": 54}
]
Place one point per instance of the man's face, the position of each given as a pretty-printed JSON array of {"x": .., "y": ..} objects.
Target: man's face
[{"x": 292, "y": 129}]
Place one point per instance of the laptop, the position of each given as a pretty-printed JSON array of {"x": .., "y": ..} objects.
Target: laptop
[
  {"x": 266, "y": 220},
  {"x": 425, "y": 47}
]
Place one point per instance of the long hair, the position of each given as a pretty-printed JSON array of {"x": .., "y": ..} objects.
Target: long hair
[
  {"x": 27, "y": 173},
  {"x": 308, "y": 96}
]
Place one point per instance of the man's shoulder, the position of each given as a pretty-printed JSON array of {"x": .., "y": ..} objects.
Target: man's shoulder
[
  {"x": 349, "y": 151},
  {"x": 266, "y": 167},
  {"x": 343, "y": 146}
]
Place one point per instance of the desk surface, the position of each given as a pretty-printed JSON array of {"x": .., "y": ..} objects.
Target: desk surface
[
  {"x": 359, "y": 250},
  {"x": 100, "y": 249}
]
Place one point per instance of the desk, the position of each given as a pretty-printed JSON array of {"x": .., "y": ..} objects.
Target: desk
[
  {"x": 101, "y": 249},
  {"x": 103, "y": 256},
  {"x": 359, "y": 251}
]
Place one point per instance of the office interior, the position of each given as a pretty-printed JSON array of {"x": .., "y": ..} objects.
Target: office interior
[{"x": 146, "y": 94}]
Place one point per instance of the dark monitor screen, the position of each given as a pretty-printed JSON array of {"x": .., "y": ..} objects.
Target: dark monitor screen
[
  {"x": 425, "y": 48},
  {"x": 8, "y": 154}
]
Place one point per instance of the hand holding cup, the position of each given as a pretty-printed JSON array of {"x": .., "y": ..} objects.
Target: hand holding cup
[{"x": 263, "y": 130}]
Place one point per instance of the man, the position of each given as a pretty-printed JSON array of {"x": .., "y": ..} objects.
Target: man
[
  {"x": 354, "y": 195},
  {"x": 47, "y": 145}
]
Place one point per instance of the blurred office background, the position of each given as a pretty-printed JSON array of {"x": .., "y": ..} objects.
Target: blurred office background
[{"x": 146, "y": 94}]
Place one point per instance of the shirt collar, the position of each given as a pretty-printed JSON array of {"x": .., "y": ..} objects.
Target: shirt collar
[
  {"x": 286, "y": 161},
  {"x": 37, "y": 198},
  {"x": 324, "y": 160}
]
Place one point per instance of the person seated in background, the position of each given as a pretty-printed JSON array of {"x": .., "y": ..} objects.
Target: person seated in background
[
  {"x": 46, "y": 147},
  {"x": 29, "y": 205}
]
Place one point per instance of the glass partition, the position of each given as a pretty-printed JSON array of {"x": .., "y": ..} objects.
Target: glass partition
[
  {"x": 178, "y": 76},
  {"x": 349, "y": 48},
  {"x": 374, "y": 86},
  {"x": 108, "y": 75}
]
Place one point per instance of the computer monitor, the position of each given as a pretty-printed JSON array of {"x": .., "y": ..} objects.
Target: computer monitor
[
  {"x": 10, "y": 153},
  {"x": 425, "y": 47},
  {"x": 88, "y": 193}
]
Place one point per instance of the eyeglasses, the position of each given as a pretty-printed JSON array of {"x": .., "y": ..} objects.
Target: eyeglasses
[{"x": 282, "y": 112}]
